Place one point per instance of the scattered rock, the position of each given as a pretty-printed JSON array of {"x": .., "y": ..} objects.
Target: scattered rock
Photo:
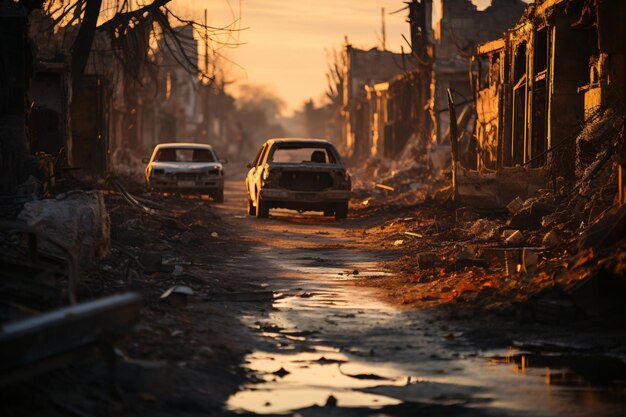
[
  {"x": 551, "y": 239},
  {"x": 427, "y": 260},
  {"x": 515, "y": 206},
  {"x": 484, "y": 229}
]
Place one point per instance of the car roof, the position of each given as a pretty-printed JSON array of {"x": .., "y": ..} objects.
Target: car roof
[
  {"x": 300, "y": 141},
  {"x": 184, "y": 145}
]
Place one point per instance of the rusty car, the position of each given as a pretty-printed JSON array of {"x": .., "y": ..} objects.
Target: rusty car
[{"x": 298, "y": 174}]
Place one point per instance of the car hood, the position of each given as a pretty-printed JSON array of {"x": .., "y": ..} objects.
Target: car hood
[
  {"x": 185, "y": 166},
  {"x": 306, "y": 167}
]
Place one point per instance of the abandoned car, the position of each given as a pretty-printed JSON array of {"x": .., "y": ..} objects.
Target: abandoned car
[
  {"x": 186, "y": 167},
  {"x": 298, "y": 174}
]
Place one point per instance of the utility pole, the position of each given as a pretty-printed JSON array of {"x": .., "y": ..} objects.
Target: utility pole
[
  {"x": 205, "y": 90},
  {"x": 206, "y": 43},
  {"x": 384, "y": 32}
]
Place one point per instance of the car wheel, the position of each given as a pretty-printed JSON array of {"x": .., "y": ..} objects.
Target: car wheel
[
  {"x": 329, "y": 211},
  {"x": 218, "y": 197},
  {"x": 262, "y": 208},
  {"x": 341, "y": 211},
  {"x": 251, "y": 208}
]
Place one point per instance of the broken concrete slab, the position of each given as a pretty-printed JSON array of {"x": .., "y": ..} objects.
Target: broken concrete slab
[{"x": 80, "y": 222}]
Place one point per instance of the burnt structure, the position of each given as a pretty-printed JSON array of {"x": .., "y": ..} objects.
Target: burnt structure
[
  {"x": 547, "y": 93},
  {"x": 362, "y": 68},
  {"x": 400, "y": 102}
]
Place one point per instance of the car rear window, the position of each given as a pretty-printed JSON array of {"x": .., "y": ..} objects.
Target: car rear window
[
  {"x": 319, "y": 155},
  {"x": 184, "y": 155}
]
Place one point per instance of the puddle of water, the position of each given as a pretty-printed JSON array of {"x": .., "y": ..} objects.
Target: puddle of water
[
  {"x": 567, "y": 370},
  {"x": 293, "y": 381},
  {"x": 339, "y": 342}
]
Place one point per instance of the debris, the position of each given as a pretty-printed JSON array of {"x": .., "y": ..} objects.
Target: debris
[
  {"x": 178, "y": 271},
  {"x": 214, "y": 234},
  {"x": 539, "y": 209},
  {"x": 515, "y": 206},
  {"x": 80, "y": 222},
  {"x": 65, "y": 331},
  {"x": 384, "y": 187},
  {"x": 515, "y": 238},
  {"x": 551, "y": 239},
  {"x": 606, "y": 231},
  {"x": 484, "y": 229},
  {"x": 207, "y": 351},
  {"x": 177, "y": 295},
  {"x": 413, "y": 234},
  {"x": 427, "y": 260},
  {"x": 466, "y": 214},
  {"x": 584, "y": 258},
  {"x": 398, "y": 242}
]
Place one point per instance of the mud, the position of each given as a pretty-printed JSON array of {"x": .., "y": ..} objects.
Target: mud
[{"x": 330, "y": 346}]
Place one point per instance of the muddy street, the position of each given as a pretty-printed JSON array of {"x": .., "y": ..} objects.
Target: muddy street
[
  {"x": 332, "y": 347},
  {"x": 351, "y": 208}
]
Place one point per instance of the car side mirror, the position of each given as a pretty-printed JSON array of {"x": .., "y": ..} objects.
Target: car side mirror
[
  {"x": 223, "y": 161},
  {"x": 145, "y": 160},
  {"x": 250, "y": 165}
]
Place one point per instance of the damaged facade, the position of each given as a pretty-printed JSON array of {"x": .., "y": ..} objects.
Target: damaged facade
[
  {"x": 406, "y": 102},
  {"x": 549, "y": 94}
]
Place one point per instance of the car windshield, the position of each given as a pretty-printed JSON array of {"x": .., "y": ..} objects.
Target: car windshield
[
  {"x": 184, "y": 155},
  {"x": 308, "y": 154}
]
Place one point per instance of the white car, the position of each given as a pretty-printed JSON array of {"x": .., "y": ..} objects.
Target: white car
[{"x": 186, "y": 167}]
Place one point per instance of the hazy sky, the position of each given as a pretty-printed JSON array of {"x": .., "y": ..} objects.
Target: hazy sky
[{"x": 286, "y": 40}]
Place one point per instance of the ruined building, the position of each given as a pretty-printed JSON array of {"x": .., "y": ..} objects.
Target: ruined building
[
  {"x": 549, "y": 95},
  {"x": 461, "y": 28},
  {"x": 400, "y": 109},
  {"x": 393, "y": 99},
  {"x": 363, "y": 68}
]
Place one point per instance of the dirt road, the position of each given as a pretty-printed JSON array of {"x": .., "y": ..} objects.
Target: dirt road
[{"x": 330, "y": 347}]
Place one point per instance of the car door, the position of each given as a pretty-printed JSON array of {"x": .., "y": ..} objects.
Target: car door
[
  {"x": 251, "y": 177},
  {"x": 149, "y": 166}
]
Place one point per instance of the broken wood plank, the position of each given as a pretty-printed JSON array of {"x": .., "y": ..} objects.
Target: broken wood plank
[{"x": 384, "y": 187}]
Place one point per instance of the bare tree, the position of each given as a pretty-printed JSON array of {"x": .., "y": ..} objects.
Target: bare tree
[
  {"x": 336, "y": 62},
  {"x": 131, "y": 28}
]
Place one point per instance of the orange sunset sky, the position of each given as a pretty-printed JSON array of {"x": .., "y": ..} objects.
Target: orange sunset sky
[{"x": 285, "y": 40}]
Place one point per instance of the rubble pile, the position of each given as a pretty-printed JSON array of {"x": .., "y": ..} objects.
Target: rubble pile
[
  {"x": 562, "y": 248},
  {"x": 382, "y": 184},
  {"x": 77, "y": 219}
]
